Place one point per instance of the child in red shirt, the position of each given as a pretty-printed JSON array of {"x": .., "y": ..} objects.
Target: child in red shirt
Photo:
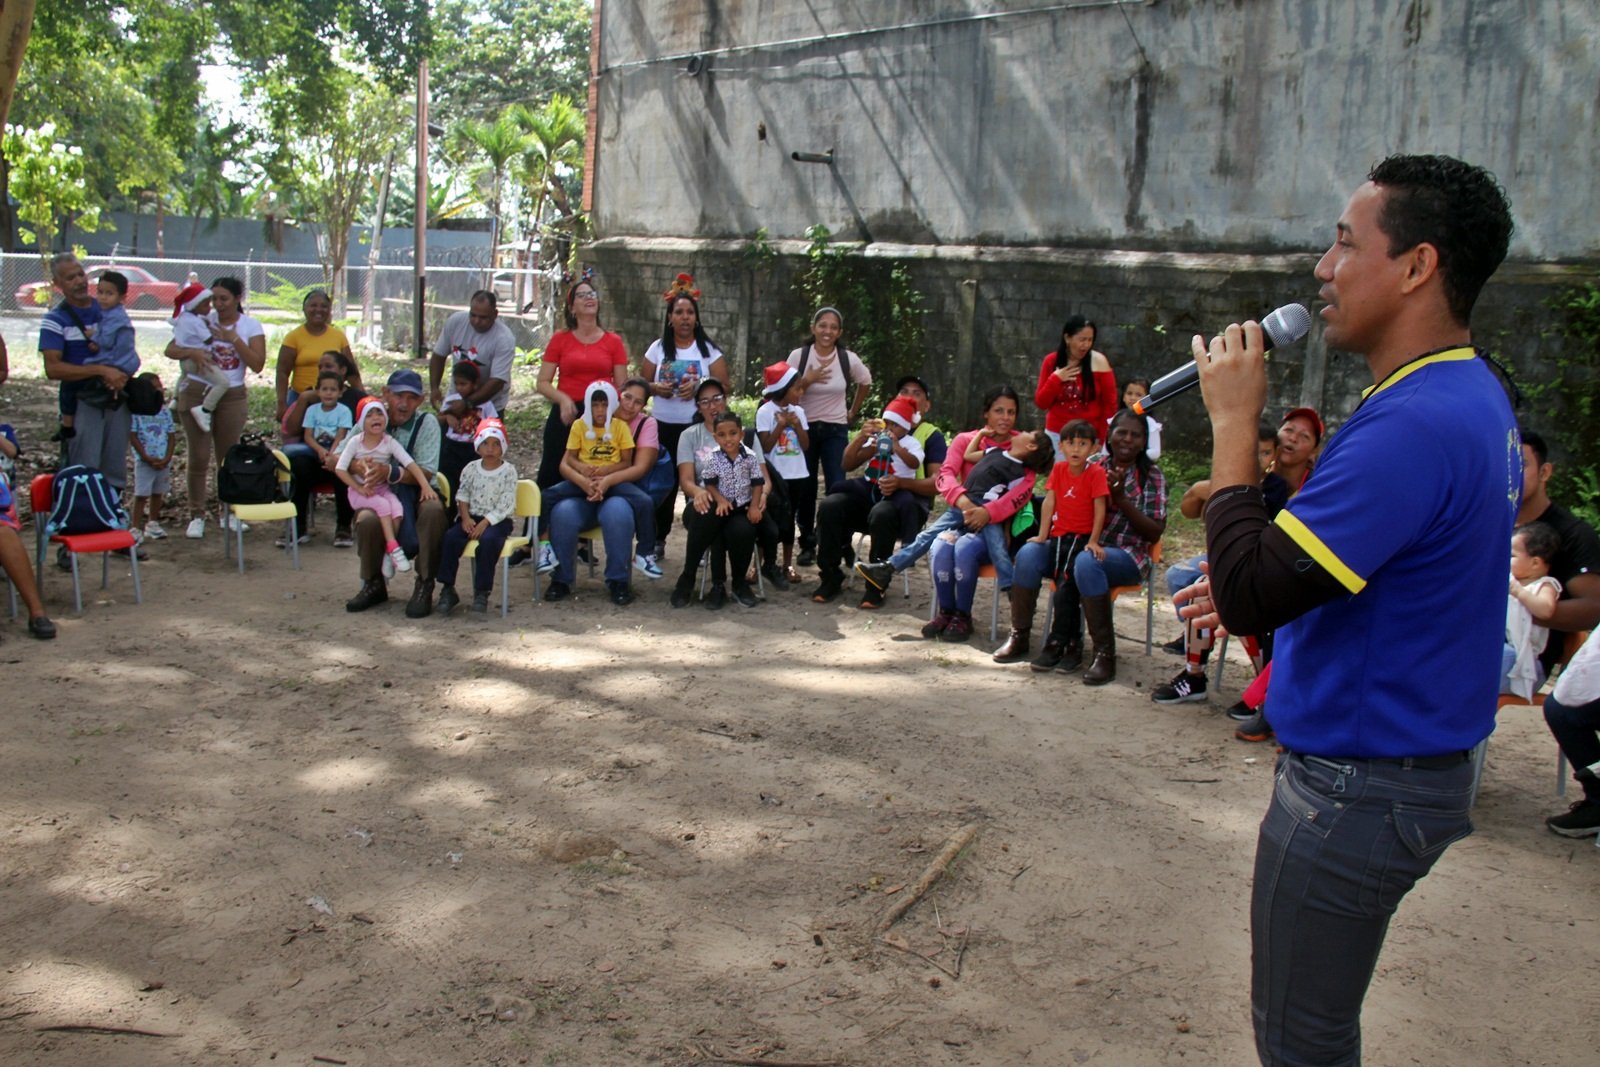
[{"x": 1074, "y": 509}]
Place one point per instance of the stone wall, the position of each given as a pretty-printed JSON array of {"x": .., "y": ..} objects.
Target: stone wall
[{"x": 991, "y": 315}]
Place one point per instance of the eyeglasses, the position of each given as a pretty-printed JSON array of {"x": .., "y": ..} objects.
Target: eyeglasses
[
  {"x": 591, "y": 295},
  {"x": 714, "y": 398}
]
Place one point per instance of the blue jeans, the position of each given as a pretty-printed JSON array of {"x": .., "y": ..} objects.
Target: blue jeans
[
  {"x": 825, "y": 457},
  {"x": 908, "y": 554},
  {"x": 1184, "y": 574},
  {"x": 1341, "y": 844},
  {"x": 572, "y": 513},
  {"x": 955, "y": 567},
  {"x": 490, "y": 542}
]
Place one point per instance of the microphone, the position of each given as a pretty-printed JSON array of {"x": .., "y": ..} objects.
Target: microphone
[{"x": 1283, "y": 327}]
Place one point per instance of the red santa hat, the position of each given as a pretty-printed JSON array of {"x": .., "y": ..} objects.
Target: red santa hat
[
  {"x": 902, "y": 411},
  {"x": 189, "y": 297}
]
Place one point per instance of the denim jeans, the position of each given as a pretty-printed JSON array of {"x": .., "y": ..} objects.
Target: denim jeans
[
  {"x": 950, "y": 519},
  {"x": 1577, "y": 731},
  {"x": 955, "y": 567},
  {"x": 490, "y": 542},
  {"x": 824, "y": 457},
  {"x": 644, "y": 514},
  {"x": 572, "y": 513},
  {"x": 1183, "y": 574},
  {"x": 1341, "y": 844}
]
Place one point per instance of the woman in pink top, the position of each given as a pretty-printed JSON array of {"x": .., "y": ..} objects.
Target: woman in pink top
[
  {"x": 1076, "y": 382},
  {"x": 829, "y": 371},
  {"x": 583, "y": 353}
]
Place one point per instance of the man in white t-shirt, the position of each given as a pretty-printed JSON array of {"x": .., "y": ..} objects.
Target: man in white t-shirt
[{"x": 476, "y": 334}]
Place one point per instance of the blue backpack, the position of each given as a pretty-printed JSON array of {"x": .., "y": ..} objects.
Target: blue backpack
[{"x": 84, "y": 502}]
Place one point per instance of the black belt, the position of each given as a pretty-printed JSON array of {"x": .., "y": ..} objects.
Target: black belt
[{"x": 1426, "y": 763}]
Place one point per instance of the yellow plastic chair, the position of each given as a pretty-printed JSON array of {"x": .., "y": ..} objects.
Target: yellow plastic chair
[
  {"x": 283, "y": 510},
  {"x": 528, "y": 510}
]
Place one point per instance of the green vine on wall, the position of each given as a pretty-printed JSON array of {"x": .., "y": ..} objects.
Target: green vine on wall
[
  {"x": 1566, "y": 405},
  {"x": 881, "y": 306}
]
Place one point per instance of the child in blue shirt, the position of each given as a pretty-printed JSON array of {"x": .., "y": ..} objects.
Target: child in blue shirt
[
  {"x": 112, "y": 343},
  {"x": 154, "y": 438},
  {"x": 328, "y": 422}
]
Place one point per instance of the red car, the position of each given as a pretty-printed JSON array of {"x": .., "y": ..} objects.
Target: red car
[{"x": 145, "y": 290}]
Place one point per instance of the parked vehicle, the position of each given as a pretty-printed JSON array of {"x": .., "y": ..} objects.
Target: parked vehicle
[{"x": 145, "y": 290}]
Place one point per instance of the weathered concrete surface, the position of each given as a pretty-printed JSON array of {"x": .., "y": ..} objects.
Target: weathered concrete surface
[{"x": 1178, "y": 125}]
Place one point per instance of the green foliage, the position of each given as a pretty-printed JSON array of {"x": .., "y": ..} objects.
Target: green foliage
[
  {"x": 881, "y": 306},
  {"x": 47, "y": 181},
  {"x": 494, "y": 53},
  {"x": 1569, "y": 409},
  {"x": 758, "y": 253},
  {"x": 284, "y": 294}
]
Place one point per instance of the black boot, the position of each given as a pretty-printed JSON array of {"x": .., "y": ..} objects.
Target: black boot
[
  {"x": 420, "y": 606},
  {"x": 1015, "y": 647},
  {"x": 1097, "y": 613},
  {"x": 373, "y": 592}
]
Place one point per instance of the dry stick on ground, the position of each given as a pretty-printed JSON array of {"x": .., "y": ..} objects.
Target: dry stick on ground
[
  {"x": 91, "y": 1028},
  {"x": 941, "y": 863},
  {"x": 908, "y": 950}
]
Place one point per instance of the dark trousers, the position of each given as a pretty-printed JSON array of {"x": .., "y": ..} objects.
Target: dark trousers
[
  {"x": 670, "y": 433},
  {"x": 733, "y": 532},
  {"x": 308, "y": 474},
  {"x": 490, "y": 542},
  {"x": 453, "y": 459},
  {"x": 420, "y": 533},
  {"x": 553, "y": 448},
  {"x": 1341, "y": 844},
  {"x": 824, "y": 458},
  {"x": 1577, "y": 731},
  {"x": 851, "y": 508}
]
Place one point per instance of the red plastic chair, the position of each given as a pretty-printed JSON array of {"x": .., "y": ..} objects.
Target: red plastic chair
[{"x": 106, "y": 542}]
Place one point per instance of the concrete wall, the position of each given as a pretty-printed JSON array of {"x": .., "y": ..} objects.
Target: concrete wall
[
  {"x": 239, "y": 239},
  {"x": 1163, "y": 168},
  {"x": 1186, "y": 125}
]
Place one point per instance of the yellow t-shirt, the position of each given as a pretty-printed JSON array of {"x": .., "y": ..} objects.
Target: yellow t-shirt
[
  {"x": 308, "y": 349},
  {"x": 597, "y": 451}
]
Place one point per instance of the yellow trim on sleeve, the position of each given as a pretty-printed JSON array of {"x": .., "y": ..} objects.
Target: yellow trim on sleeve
[{"x": 1301, "y": 535}]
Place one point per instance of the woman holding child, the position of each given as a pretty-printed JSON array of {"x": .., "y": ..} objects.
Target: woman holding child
[
  {"x": 311, "y": 461},
  {"x": 238, "y": 344},
  {"x": 577, "y": 357},
  {"x": 1135, "y": 518}
]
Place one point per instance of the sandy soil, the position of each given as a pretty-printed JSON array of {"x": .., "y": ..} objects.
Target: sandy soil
[{"x": 263, "y": 830}]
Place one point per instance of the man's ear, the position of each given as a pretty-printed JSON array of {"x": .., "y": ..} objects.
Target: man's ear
[{"x": 1422, "y": 266}]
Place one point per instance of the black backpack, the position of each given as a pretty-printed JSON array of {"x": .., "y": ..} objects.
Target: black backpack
[
  {"x": 83, "y": 502},
  {"x": 249, "y": 474}
]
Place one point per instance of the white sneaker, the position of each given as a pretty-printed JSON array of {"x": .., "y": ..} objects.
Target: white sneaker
[
  {"x": 647, "y": 566},
  {"x": 387, "y": 566},
  {"x": 398, "y": 555},
  {"x": 155, "y": 531},
  {"x": 202, "y": 419},
  {"x": 138, "y": 535},
  {"x": 547, "y": 557},
  {"x": 235, "y": 525},
  {"x": 196, "y": 528}
]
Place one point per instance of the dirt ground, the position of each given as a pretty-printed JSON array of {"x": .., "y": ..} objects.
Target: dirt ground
[{"x": 241, "y": 826}]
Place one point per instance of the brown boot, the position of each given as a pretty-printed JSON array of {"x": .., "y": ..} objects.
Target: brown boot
[
  {"x": 1097, "y": 613},
  {"x": 1015, "y": 648}
]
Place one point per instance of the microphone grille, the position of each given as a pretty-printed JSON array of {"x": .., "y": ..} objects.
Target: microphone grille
[{"x": 1286, "y": 325}]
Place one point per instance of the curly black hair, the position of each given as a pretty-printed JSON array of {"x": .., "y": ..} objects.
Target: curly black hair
[{"x": 1458, "y": 208}]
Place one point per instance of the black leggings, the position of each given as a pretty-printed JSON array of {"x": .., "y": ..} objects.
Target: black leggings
[{"x": 711, "y": 532}]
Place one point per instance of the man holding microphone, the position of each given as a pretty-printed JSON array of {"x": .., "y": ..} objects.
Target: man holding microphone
[{"x": 1388, "y": 597}]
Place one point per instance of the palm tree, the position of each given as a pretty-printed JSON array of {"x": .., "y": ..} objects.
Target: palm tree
[
  {"x": 553, "y": 148},
  {"x": 497, "y": 144}
]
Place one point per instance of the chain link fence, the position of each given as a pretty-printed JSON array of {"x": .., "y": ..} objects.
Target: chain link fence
[{"x": 274, "y": 291}]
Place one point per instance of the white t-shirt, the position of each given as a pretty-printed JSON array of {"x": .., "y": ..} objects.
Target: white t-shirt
[
  {"x": 826, "y": 400},
  {"x": 494, "y": 351},
  {"x": 1580, "y": 679},
  {"x": 685, "y": 363},
  {"x": 1527, "y": 639},
  {"x": 228, "y": 359},
  {"x": 785, "y": 458}
]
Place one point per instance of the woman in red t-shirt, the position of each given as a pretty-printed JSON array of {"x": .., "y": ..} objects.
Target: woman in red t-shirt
[
  {"x": 1065, "y": 392},
  {"x": 583, "y": 353}
]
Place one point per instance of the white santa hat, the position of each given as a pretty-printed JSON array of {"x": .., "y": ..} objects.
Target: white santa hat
[{"x": 596, "y": 432}]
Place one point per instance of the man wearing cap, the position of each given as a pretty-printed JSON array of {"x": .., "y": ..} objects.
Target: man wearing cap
[
  {"x": 478, "y": 336},
  {"x": 1377, "y": 705},
  {"x": 893, "y": 508},
  {"x": 100, "y": 435},
  {"x": 421, "y": 532}
]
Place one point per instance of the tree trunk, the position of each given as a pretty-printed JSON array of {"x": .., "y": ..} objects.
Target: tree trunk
[
  {"x": 8, "y": 218},
  {"x": 16, "y": 23}
]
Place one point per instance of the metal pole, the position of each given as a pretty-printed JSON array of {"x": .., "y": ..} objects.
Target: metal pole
[{"x": 420, "y": 254}]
